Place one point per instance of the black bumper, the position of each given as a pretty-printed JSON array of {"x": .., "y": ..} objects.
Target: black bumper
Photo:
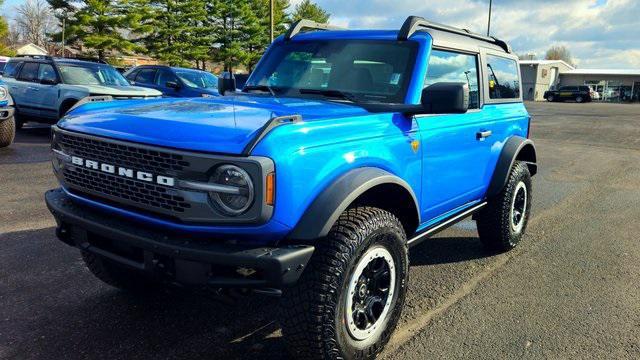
[
  {"x": 175, "y": 257},
  {"x": 6, "y": 113}
]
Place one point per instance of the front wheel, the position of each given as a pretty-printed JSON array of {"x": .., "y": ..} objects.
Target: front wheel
[
  {"x": 551, "y": 98},
  {"x": 348, "y": 301},
  {"x": 7, "y": 132},
  {"x": 579, "y": 99},
  {"x": 501, "y": 224}
]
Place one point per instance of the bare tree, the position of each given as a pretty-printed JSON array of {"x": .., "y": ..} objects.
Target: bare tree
[
  {"x": 34, "y": 20},
  {"x": 559, "y": 52}
]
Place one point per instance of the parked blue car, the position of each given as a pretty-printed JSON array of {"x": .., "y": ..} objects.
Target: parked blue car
[
  {"x": 174, "y": 81},
  {"x": 344, "y": 149}
]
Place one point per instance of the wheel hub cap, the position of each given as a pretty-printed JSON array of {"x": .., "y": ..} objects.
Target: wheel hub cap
[
  {"x": 518, "y": 207},
  {"x": 370, "y": 293}
]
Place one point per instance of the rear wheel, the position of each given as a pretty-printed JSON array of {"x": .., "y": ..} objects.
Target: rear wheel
[
  {"x": 579, "y": 99},
  {"x": 501, "y": 224},
  {"x": 7, "y": 132},
  {"x": 551, "y": 98},
  {"x": 348, "y": 301}
]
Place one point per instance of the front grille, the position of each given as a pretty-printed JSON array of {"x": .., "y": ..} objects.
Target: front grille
[
  {"x": 141, "y": 193},
  {"x": 124, "y": 155},
  {"x": 138, "y": 194}
]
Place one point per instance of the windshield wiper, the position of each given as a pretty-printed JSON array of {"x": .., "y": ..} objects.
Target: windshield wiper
[
  {"x": 332, "y": 93},
  {"x": 259, "y": 88}
]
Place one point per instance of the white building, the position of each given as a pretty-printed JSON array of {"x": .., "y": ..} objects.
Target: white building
[
  {"x": 539, "y": 76},
  {"x": 613, "y": 85}
]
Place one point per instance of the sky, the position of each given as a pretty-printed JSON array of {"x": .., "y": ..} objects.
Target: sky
[{"x": 599, "y": 33}]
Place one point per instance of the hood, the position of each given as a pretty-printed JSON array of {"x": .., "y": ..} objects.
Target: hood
[
  {"x": 120, "y": 90},
  {"x": 219, "y": 125}
]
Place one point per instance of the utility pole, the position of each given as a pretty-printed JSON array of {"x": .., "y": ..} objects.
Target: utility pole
[
  {"x": 271, "y": 15},
  {"x": 489, "y": 22},
  {"x": 64, "y": 20}
]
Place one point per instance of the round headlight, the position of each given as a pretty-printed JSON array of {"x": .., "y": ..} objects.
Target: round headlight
[
  {"x": 3, "y": 93},
  {"x": 236, "y": 189}
]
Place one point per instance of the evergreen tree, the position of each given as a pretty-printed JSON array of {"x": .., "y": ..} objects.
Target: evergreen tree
[
  {"x": 311, "y": 11},
  {"x": 173, "y": 31},
  {"x": 99, "y": 25}
]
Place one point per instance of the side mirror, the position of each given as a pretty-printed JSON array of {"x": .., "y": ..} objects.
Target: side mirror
[
  {"x": 49, "y": 82},
  {"x": 173, "y": 85},
  {"x": 226, "y": 82},
  {"x": 445, "y": 98}
]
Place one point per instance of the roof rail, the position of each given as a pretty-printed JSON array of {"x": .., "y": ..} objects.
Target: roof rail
[
  {"x": 299, "y": 25},
  {"x": 35, "y": 56},
  {"x": 413, "y": 23}
]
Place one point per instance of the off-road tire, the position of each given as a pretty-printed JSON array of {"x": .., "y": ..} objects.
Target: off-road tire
[
  {"x": 313, "y": 312},
  {"x": 494, "y": 221},
  {"x": 7, "y": 132},
  {"x": 117, "y": 275}
]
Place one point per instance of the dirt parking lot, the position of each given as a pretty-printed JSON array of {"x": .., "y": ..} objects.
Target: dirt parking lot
[{"x": 569, "y": 291}]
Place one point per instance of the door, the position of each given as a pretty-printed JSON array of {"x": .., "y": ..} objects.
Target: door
[
  {"x": 455, "y": 147},
  {"x": 26, "y": 90},
  {"x": 46, "y": 97},
  {"x": 167, "y": 82}
]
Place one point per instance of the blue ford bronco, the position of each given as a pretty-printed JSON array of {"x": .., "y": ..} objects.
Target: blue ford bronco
[{"x": 343, "y": 150}]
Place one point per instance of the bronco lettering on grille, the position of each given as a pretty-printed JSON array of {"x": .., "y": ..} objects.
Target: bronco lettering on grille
[{"x": 124, "y": 172}]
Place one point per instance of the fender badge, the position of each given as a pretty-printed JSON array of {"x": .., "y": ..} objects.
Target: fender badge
[{"x": 415, "y": 144}]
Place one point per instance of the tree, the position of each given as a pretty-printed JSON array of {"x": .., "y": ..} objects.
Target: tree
[
  {"x": 257, "y": 34},
  {"x": 173, "y": 31},
  {"x": 34, "y": 19},
  {"x": 100, "y": 25},
  {"x": 559, "y": 52},
  {"x": 4, "y": 37},
  {"x": 311, "y": 11}
]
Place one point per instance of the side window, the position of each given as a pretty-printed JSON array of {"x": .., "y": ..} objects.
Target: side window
[
  {"x": 164, "y": 76},
  {"x": 29, "y": 72},
  {"x": 447, "y": 66},
  {"x": 146, "y": 76},
  {"x": 504, "y": 79},
  {"x": 46, "y": 72},
  {"x": 132, "y": 75},
  {"x": 11, "y": 70}
]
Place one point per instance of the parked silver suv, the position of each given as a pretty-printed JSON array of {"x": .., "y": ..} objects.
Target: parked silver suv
[{"x": 45, "y": 88}]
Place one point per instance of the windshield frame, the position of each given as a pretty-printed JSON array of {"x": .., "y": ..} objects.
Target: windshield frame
[
  {"x": 401, "y": 96},
  {"x": 94, "y": 68}
]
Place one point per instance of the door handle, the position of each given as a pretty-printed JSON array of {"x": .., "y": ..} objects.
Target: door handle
[{"x": 481, "y": 135}]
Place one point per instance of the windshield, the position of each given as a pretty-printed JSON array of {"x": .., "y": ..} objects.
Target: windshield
[
  {"x": 198, "y": 79},
  {"x": 91, "y": 75},
  {"x": 369, "y": 70},
  {"x": 2, "y": 65}
]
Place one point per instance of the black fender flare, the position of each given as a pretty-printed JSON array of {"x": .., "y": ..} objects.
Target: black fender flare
[
  {"x": 326, "y": 208},
  {"x": 516, "y": 148}
]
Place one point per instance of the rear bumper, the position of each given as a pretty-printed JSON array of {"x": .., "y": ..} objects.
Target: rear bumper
[
  {"x": 6, "y": 113},
  {"x": 178, "y": 258}
]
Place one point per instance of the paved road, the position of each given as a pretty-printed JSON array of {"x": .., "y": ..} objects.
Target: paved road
[{"x": 570, "y": 291}]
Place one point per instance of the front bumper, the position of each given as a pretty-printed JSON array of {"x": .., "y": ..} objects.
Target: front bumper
[
  {"x": 6, "y": 113},
  {"x": 177, "y": 258}
]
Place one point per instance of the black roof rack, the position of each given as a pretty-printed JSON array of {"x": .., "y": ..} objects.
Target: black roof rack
[
  {"x": 413, "y": 23},
  {"x": 45, "y": 57},
  {"x": 299, "y": 25}
]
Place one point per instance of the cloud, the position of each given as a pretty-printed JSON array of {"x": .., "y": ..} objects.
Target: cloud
[{"x": 599, "y": 33}]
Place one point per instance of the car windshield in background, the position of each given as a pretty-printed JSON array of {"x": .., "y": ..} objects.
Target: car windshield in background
[
  {"x": 2, "y": 65},
  {"x": 198, "y": 79},
  {"x": 91, "y": 75},
  {"x": 377, "y": 71}
]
